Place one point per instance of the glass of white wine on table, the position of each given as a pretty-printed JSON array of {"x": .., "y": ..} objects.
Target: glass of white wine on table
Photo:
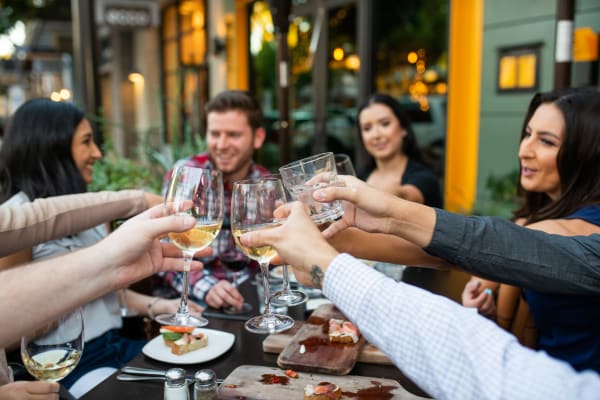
[
  {"x": 197, "y": 192},
  {"x": 253, "y": 204},
  {"x": 52, "y": 352}
]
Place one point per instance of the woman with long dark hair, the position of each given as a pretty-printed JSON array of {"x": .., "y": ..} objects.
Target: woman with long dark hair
[
  {"x": 396, "y": 164},
  {"x": 49, "y": 150},
  {"x": 560, "y": 185}
]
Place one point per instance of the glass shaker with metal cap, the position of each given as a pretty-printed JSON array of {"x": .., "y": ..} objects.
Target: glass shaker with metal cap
[
  {"x": 175, "y": 385},
  {"x": 205, "y": 385}
]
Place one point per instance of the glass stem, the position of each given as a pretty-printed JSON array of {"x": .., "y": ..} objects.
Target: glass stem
[
  {"x": 234, "y": 282},
  {"x": 264, "y": 270},
  {"x": 286, "y": 278},
  {"x": 187, "y": 263}
]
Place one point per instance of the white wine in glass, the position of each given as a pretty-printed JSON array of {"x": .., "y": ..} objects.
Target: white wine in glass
[
  {"x": 252, "y": 206},
  {"x": 197, "y": 192},
  {"x": 53, "y": 354}
]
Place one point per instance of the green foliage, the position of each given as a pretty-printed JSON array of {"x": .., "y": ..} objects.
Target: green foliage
[
  {"x": 503, "y": 199},
  {"x": 114, "y": 172},
  {"x": 147, "y": 170},
  {"x": 503, "y": 188}
]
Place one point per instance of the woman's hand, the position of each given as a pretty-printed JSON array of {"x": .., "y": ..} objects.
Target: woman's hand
[
  {"x": 29, "y": 390},
  {"x": 365, "y": 207},
  {"x": 475, "y": 295}
]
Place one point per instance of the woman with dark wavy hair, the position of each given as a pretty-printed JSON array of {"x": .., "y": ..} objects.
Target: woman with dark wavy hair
[
  {"x": 36, "y": 154},
  {"x": 559, "y": 184},
  {"x": 49, "y": 150},
  {"x": 396, "y": 164}
]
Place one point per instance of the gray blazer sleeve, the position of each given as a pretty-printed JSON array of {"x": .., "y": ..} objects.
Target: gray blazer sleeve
[
  {"x": 497, "y": 249},
  {"x": 32, "y": 223}
]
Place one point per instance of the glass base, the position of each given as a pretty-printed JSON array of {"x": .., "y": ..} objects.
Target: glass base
[
  {"x": 289, "y": 298},
  {"x": 246, "y": 308},
  {"x": 181, "y": 320},
  {"x": 126, "y": 312},
  {"x": 273, "y": 323}
]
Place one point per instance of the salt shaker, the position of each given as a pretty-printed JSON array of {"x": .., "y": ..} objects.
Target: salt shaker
[
  {"x": 205, "y": 385},
  {"x": 175, "y": 385}
]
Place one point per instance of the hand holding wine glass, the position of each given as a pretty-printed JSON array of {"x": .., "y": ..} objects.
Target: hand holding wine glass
[
  {"x": 53, "y": 354},
  {"x": 252, "y": 208},
  {"x": 197, "y": 192}
]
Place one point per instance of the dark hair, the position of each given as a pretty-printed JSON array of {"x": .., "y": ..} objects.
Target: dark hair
[
  {"x": 237, "y": 100},
  {"x": 577, "y": 158},
  {"x": 409, "y": 145},
  {"x": 36, "y": 155}
]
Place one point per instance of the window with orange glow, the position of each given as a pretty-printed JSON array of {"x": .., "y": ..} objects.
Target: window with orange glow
[{"x": 518, "y": 69}]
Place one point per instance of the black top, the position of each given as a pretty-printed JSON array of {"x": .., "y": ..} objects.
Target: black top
[{"x": 420, "y": 176}]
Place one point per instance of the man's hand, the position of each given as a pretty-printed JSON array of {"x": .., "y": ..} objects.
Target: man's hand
[
  {"x": 299, "y": 242},
  {"x": 365, "y": 207},
  {"x": 137, "y": 249},
  {"x": 224, "y": 294}
]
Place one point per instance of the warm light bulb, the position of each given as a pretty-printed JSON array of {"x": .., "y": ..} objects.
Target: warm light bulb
[
  {"x": 135, "y": 77},
  {"x": 338, "y": 54}
]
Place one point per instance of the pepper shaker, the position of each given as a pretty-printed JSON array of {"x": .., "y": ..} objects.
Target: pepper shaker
[
  {"x": 205, "y": 385},
  {"x": 175, "y": 385}
]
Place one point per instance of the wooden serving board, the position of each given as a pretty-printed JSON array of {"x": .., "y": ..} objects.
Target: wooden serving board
[
  {"x": 253, "y": 382},
  {"x": 276, "y": 342},
  {"x": 310, "y": 349}
]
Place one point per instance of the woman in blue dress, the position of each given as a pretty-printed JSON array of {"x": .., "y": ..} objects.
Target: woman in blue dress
[{"x": 560, "y": 185}]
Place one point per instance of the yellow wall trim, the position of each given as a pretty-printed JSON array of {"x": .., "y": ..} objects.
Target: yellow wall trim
[{"x": 464, "y": 88}]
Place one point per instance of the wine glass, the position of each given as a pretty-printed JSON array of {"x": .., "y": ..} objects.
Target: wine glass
[
  {"x": 52, "y": 352},
  {"x": 252, "y": 205},
  {"x": 197, "y": 192},
  {"x": 286, "y": 296},
  {"x": 124, "y": 309},
  {"x": 343, "y": 164},
  {"x": 302, "y": 177},
  {"x": 235, "y": 261}
]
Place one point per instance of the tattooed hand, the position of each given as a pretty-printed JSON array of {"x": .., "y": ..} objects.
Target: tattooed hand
[
  {"x": 299, "y": 242},
  {"x": 317, "y": 276}
]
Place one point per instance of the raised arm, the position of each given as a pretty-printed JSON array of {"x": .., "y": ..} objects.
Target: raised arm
[
  {"x": 444, "y": 348},
  {"x": 490, "y": 247},
  {"x": 127, "y": 255},
  {"x": 50, "y": 218}
]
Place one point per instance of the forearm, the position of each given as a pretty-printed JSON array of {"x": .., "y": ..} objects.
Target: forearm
[
  {"x": 500, "y": 250},
  {"x": 383, "y": 247},
  {"x": 443, "y": 347},
  {"x": 411, "y": 221},
  {"x": 37, "y": 293},
  {"x": 50, "y": 218}
]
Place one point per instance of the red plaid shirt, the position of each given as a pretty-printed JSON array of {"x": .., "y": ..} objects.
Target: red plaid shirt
[{"x": 201, "y": 281}]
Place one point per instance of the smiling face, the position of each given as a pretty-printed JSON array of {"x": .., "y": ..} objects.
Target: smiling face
[
  {"x": 231, "y": 143},
  {"x": 381, "y": 131},
  {"x": 539, "y": 148},
  {"x": 84, "y": 150}
]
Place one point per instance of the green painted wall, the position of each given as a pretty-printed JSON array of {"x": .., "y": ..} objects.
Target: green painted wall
[{"x": 511, "y": 23}]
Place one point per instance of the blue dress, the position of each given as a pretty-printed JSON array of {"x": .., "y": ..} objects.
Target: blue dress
[{"x": 569, "y": 325}]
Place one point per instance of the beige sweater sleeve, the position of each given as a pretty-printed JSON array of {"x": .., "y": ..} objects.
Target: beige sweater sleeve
[{"x": 54, "y": 217}]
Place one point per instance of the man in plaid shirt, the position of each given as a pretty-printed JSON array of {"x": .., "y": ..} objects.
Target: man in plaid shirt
[{"x": 234, "y": 130}]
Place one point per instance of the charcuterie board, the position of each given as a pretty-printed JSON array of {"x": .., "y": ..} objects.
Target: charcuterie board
[{"x": 253, "y": 382}]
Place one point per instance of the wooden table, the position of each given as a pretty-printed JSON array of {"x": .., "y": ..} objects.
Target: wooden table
[{"x": 247, "y": 349}]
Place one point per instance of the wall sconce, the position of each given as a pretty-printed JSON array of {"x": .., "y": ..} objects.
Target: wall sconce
[
  {"x": 220, "y": 46},
  {"x": 135, "y": 77}
]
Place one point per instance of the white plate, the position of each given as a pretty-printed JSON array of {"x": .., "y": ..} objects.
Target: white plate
[
  {"x": 277, "y": 273},
  {"x": 218, "y": 343}
]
